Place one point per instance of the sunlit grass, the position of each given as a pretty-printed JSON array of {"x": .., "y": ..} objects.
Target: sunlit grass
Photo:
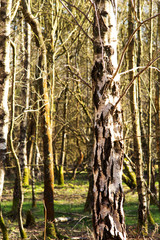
[{"x": 69, "y": 202}]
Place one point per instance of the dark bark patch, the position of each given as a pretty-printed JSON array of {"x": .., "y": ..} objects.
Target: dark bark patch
[
  {"x": 117, "y": 146},
  {"x": 97, "y": 47},
  {"x": 119, "y": 204},
  {"x": 104, "y": 13},
  {"x": 114, "y": 90},
  {"x": 115, "y": 116},
  {"x": 104, "y": 130},
  {"x": 96, "y": 159},
  {"x": 96, "y": 99},
  {"x": 108, "y": 222},
  {"x": 96, "y": 133},
  {"x": 110, "y": 67},
  {"x": 101, "y": 118},
  {"x": 97, "y": 206},
  {"x": 109, "y": 50},
  {"x": 103, "y": 164},
  {"x": 97, "y": 71},
  {"x": 103, "y": 26},
  {"x": 112, "y": 166},
  {"x": 107, "y": 148}
]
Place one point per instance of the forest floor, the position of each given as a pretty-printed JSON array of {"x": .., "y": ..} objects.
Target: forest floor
[{"x": 71, "y": 220}]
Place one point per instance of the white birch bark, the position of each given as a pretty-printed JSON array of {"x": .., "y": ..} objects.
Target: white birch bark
[
  {"x": 5, "y": 16},
  {"x": 108, "y": 215}
]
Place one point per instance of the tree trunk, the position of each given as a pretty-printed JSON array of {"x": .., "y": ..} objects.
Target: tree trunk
[
  {"x": 25, "y": 101},
  {"x": 139, "y": 56},
  {"x": 137, "y": 146},
  {"x": 46, "y": 125},
  {"x": 17, "y": 163},
  {"x": 108, "y": 215},
  {"x": 149, "y": 162},
  {"x": 157, "y": 103},
  {"x": 5, "y": 21},
  {"x": 64, "y": 138}
]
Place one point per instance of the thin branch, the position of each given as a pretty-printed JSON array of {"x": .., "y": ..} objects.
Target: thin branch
[
  {"x": 136, "y": 68},
  {"x": 78, "y": 10},
  {"x": 135, "y": 11},
  {"x": 129, "y": 41},
  {"x": 76, "y": 21},
  {"x": 130, "y": 84},
  {"x": 15, "y": 10},
  {"x": 82, "y": 80}
]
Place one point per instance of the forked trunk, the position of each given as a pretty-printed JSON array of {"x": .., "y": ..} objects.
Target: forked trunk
[{"x": 108, "y": 215}]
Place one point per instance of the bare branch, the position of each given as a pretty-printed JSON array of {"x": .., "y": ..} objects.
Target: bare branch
[
  {"x": 76, "y": 21},
  {"x": 130, "y": 84},
  {"x": 78, "y": 10},
  {"x": 129, "y": 41}
]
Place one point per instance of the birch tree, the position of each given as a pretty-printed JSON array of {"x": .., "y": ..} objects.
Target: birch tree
[
  {"x": 25, "y": 100},
  {"x": 108, "y": 215},
  {"x": 137, "y": 145},
  {"x": 5, "y": 21}
]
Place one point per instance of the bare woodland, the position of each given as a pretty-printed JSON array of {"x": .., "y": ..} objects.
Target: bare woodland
[{"x": 80, "y": 91}]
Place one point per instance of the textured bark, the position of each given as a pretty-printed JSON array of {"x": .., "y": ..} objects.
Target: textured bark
[
  {"x": 25, "y": 101},
  {"x": 46, "y": 125},
  {"x": 157, "y": 103},
  {"x": 138, "y": 158},
  {"x": 108, "y": 215},
  {"x": 149, "y": 162},
  {"x": 5, "y": 21},
  {"x": 5, "y": 9}
]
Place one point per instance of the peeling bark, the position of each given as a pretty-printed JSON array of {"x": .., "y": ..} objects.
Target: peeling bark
[{"x": 108, "y": 215}]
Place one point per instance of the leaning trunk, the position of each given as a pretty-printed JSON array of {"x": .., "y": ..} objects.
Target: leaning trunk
[{"x": 108, "y": 215}]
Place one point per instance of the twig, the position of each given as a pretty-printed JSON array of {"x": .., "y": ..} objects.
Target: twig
[
  {"x": 80, "y": 221},
  {"x": 78, "y": 10},
  {"x": 129, "y": 41},
  {"x": 82, "y": 80},
  {"x": 130, "y": 84},
  {"x": 76, "y": 21}
]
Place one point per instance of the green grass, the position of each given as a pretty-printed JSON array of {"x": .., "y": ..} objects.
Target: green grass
[{"x": 69, "y": 202}]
